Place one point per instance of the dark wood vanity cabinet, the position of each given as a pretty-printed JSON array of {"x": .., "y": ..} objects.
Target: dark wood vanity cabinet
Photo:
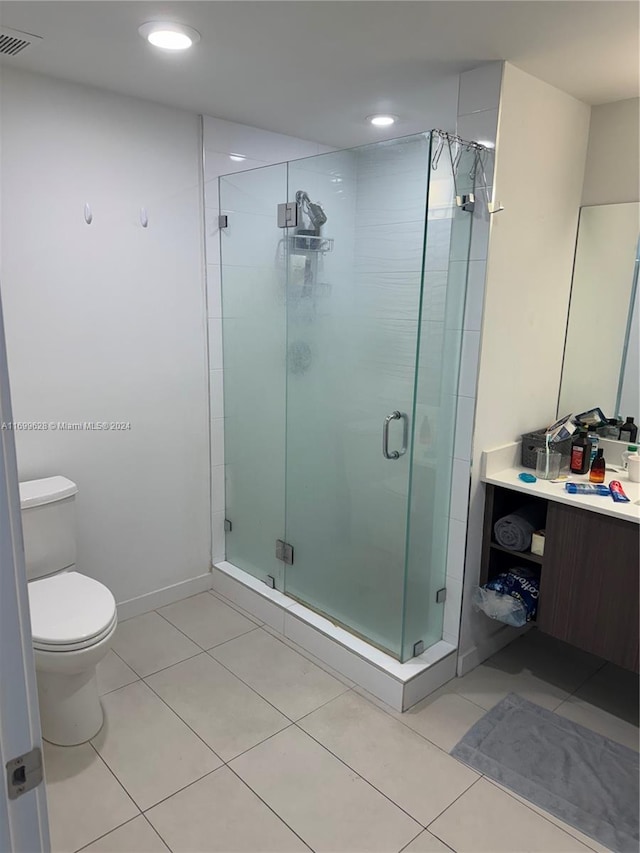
[
  {"x": 589, "y": 583},
  {"x": 589, "y": 575}
]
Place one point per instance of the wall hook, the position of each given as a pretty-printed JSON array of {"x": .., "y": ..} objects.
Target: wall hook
[
  {"x": 144, "y": 217},
  {"x": 88, "y": 215}
]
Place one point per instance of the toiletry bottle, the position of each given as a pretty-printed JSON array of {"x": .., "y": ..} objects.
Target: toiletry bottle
[
  {"x": 580, "y": 453},
  {"x": 596, "y": 474},
  {"x": 628, "y": 431},
  {"x": 631, "y": 449},
  {"x": 594, "y": 438}
]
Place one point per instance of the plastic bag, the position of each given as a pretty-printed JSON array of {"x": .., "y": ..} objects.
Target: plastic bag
[{"x": 511, "y": 597}]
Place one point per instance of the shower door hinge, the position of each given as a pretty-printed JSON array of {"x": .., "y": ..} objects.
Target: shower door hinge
[
  {"x": 223, "y": 221},
  {"x": 24, "y": 773},
  {"x": 466, "y": 202},
  {"x": 287, "y": 214},
  {"x": 418, "y": 648},
  {"x": 441, "y": 595},
  {"x": 271, "y": 582},
  {"x": 284, "y": 552},
  {"x": 228, "y": 527}
]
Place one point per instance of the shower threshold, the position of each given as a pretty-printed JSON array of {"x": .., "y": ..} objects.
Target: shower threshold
[{"x": 400, "y": 685}]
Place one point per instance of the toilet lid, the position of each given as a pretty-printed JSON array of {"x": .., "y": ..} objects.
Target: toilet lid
[{"x": 69, "y": 608}]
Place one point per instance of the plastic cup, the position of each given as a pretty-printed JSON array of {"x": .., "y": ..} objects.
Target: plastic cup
[{"x": 547, "y": 463}]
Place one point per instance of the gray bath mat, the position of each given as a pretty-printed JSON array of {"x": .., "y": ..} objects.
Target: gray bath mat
[{"x": 585, "y": 779}]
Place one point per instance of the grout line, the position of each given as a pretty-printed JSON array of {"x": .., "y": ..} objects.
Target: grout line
[
  {"x": 184, "y": 788},
  {"x": 244, "y": 634},
  {"x": 410, "y": 728},
  {"x": 162, "y": 669},
  {"x": 176, "y": 714},
  {"x": 360, "y": 776},
  {"x": 582, "y": 683},
  {"x": 154, "y": 830},
  {"x": 279, "y": 817},
  {"x": 104, "y": 834},
  {"x": 264, "y": 740},
  {"x": 453, "y": 802},
  {"x": 220, "y": 597}
]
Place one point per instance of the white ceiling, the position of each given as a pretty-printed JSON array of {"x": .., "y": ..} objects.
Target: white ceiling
[{"x": 316, "y": 69}]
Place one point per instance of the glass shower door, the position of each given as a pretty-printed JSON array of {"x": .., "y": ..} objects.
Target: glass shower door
[
  {"x": 254, "y": 333},
  {"x": 352, "y": 334}
]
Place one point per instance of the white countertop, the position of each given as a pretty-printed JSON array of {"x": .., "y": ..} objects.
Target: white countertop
[{"x": 500, "y": 468}]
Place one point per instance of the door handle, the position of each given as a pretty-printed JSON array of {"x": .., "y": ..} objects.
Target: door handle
[{"x": 395, "y": 454}]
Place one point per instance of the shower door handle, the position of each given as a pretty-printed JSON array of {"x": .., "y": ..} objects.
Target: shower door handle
[{"x": 395, "y": 454}]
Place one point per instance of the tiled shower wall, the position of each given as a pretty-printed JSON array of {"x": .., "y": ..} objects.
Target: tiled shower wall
[{"x": 221, "y": 139}]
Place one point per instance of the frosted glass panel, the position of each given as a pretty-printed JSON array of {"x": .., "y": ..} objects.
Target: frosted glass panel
[
  {"x": 441, "y": 320},
  {"x": 254, "y": 334},
  {"x": 357, "y": 323}
]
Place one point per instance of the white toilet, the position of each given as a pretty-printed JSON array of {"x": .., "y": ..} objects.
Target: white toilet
[{"x": 73, "y": 617}]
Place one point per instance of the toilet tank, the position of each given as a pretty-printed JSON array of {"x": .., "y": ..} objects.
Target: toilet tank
[{"x": 48, "y": 525}]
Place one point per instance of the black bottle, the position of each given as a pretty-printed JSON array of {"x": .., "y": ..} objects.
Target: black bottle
[
  {"x": 581, "y": 453},
  {"x": 628, "y": 432}
]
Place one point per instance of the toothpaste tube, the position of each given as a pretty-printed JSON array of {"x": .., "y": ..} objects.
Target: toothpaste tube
[
  {"x": 617, "y": 492},
  {"x": 587, "y": 489}
]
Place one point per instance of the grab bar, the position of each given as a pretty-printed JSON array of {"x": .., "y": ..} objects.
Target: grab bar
[{"x": 395, "y": 454}]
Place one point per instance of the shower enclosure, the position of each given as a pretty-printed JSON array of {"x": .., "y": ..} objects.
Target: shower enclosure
[{"x": 343, "y": 282}]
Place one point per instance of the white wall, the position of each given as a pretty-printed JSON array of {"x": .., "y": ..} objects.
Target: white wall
[
  {"x": 541, "y": 151},
  {"x": 107, "y": 322},
  {"x": 612, "y": 172}
]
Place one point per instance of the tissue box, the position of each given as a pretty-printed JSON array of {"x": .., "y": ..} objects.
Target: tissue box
[{"x": 537, "y": 543}]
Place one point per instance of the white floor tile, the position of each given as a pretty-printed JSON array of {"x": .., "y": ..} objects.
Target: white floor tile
[
  {"x": 112, "y": 672},
  {"x": 223, "y": 711},
  {"x": 137, "y": 836},
  {"x": 487, "y": 820},
  {"x": 420, "y": 778},
  {"x": 324, "y": 802},
  {"x": 219, "y": 813},
  {"x": 444, "y": 717},
  {"x": 283, "y": 677},
  {"x": 151, "y": 752},
  {"x": 85, "y": 800},
  {"x": 207, "y": 620},
  {"x": 149, "y": 643}
]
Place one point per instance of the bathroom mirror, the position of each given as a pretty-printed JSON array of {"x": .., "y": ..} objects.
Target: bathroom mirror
[{"x": 601, "y": 353}]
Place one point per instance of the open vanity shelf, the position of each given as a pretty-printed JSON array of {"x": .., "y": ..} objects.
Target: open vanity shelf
[{"x": 588, "y": 575}]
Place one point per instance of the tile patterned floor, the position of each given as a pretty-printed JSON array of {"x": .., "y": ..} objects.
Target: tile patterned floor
[{"x": 221, "y": 737}]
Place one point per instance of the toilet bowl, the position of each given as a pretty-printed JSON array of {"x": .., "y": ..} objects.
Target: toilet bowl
[{"x": 73, "y": 617}]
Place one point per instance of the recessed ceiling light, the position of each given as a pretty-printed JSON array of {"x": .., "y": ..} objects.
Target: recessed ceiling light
[
  {"x": 237, "y": 158},
  {"x": 168, "y": 35},
  {"x": 382, "y": 120}
]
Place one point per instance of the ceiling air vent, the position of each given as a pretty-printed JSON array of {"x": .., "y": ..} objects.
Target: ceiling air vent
[{"x": 13, "y": 42}]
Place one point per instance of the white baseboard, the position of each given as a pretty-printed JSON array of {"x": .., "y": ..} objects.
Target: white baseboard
[
  {"x": 160, "y": 597},
  {"x": 474, "y": 656}
]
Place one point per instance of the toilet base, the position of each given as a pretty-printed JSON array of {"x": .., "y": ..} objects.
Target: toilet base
[{"x": 70, "y": 709}]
